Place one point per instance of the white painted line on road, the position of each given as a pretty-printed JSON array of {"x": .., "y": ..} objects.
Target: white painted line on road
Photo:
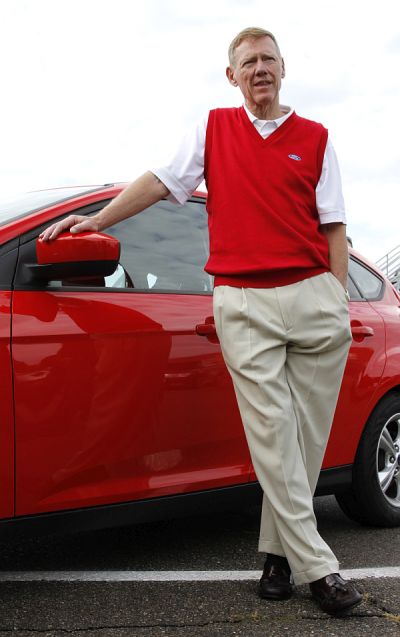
[
  {"x": 363, "y": 573},
  {"x": 170, "y": 576}
]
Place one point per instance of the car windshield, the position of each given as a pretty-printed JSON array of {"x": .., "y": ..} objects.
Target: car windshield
[{"x": 25, "y": 203}]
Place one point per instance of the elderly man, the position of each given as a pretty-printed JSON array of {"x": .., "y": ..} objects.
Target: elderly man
[{"x": 278, "y": 252}]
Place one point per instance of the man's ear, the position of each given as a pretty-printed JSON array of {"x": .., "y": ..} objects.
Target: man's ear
[
  {"x": 230, "y": 74},
  {"x": 283, "y": 69}
]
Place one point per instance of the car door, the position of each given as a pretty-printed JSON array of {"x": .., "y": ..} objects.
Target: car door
[
  {"x": 8, "y": 255},
  {"x": 364, "y": 368},
  {"x": 120, "y": 388}
]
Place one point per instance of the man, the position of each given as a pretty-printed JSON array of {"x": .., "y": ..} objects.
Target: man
[{"x": 278, "y": 252}]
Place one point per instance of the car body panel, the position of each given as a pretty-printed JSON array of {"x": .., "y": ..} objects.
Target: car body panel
[
  {"x": 6, "y": 409},
  {"x": 129, "y": 401},
  {"x": 362, "y": 375},
  {"x": 389, "y": 309}
]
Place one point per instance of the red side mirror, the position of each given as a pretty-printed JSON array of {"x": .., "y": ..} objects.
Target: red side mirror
[
  {"x": 75, "y": 256},
  {"x": 83, "y": 246}
]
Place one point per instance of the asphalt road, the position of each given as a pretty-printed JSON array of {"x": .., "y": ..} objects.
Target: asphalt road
[{"x": 190, "y": 609}]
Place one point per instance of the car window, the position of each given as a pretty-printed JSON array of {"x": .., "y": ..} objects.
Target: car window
[
  {"x": 368, "y": 283},
  {"x": 353, "y": 292},
  {"x": 165, "y": 248}
]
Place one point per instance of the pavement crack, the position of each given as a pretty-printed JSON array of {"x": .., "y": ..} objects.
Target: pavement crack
[
  {"x": 391, "y": 617},
  {"x": 69, "y": 631},
  {"x": 368, "y": 614}
]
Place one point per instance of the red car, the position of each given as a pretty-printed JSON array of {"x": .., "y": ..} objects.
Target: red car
[{"x": 116, "y": 405}]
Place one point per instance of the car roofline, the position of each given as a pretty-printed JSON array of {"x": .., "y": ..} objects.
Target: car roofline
[{"x": 46, "y": 213}]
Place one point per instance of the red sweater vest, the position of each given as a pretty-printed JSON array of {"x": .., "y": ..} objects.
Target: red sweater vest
[{"x": 263, "y": 221}]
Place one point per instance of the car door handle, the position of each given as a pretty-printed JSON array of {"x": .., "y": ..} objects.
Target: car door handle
[
  {"x": 362, "y": 330},
  {"x": 206, "y": 329}
]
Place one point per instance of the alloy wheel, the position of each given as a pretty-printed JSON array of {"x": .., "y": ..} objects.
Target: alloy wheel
[{"x": 388, "y": 460}]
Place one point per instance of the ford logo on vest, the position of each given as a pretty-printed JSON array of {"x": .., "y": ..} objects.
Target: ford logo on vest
[{"x": 295, "y": 157}]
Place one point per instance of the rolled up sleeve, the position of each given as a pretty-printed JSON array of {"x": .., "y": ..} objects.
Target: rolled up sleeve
[{"x": 185, "y": 171}]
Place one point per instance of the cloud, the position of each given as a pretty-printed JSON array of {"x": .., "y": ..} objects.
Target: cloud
[{"x": 393, "y": 46}]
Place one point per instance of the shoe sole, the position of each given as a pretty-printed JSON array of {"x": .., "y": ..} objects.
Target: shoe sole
[
  {"x": 343, "y": 610},
  {"x": 275, "y": 596}
]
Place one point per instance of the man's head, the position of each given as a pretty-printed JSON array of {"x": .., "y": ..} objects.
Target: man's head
[{"x": 257, "y": 67}]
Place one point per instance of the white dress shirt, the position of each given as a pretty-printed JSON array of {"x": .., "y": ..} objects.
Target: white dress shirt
[{"x": 185, "y": 171}]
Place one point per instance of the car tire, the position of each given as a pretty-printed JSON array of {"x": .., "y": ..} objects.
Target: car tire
[{"x": 374, "y": 496}]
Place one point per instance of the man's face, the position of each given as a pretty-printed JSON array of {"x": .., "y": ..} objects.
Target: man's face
[{"x": 258, "y": 71}]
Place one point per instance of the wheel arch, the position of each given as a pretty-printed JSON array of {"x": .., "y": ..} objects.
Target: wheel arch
[
  {"x": 363, "y": 501},
  {"x": 376, "y": 401}
]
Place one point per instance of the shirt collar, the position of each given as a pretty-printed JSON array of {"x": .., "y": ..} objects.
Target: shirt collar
[{"x": 287, "y": 110}]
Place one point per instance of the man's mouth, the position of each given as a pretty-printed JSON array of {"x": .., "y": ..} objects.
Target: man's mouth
[{"x": 262, "y": 83}]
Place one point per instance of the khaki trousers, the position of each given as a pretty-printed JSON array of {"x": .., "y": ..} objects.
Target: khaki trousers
[{"x": 286, "y": 349}]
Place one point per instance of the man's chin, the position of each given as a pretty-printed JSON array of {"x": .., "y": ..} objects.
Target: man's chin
[{"x": 264, "y": 100}]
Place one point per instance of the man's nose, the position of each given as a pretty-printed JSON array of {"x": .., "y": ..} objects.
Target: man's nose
[{"x": 261, "y": 67}]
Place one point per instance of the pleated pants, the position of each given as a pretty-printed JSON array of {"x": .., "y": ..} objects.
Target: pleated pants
[{"x": 286, "y": 350}]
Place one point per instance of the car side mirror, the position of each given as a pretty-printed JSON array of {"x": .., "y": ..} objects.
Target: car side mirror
[{"x": 74, "y": 257}]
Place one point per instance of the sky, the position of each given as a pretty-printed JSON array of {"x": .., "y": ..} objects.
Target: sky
[{"x": 97, "y": 91}]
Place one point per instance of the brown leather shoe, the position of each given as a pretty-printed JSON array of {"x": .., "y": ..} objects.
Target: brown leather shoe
[
  {"x": 334, "y": 594},
  {"x": 276, "y": 580}
]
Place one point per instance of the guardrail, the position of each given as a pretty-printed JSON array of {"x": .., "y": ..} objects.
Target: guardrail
[{"x": 390, "y": 265}]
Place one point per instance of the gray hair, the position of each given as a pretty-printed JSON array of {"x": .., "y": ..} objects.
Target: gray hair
[{"x": 248, "y": 34}]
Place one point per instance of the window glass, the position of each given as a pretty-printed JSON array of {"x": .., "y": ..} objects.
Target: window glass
[
  {"x": 353, "y": 292},
  {"x": 164, "y": 248},
  {"x": 22, "y": 205},
  {"x": 369, "y": 284}
]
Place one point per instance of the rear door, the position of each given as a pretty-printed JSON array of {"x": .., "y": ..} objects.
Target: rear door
[
  {"x": 117, "y": 396},
  {"x": 364, "y": 368}
]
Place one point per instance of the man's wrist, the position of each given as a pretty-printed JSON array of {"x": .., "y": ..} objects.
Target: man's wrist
[
  {"x": 342, "y": 278},
  {"x": 99, "y": 222}
]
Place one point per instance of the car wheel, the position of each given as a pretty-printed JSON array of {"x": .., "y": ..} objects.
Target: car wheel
[{"x": 374, "y": 497}]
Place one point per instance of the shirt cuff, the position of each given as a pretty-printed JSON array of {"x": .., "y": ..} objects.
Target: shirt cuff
[
  {"x": 177, "y": 194},
  {"x": 332, "y": 217}
]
